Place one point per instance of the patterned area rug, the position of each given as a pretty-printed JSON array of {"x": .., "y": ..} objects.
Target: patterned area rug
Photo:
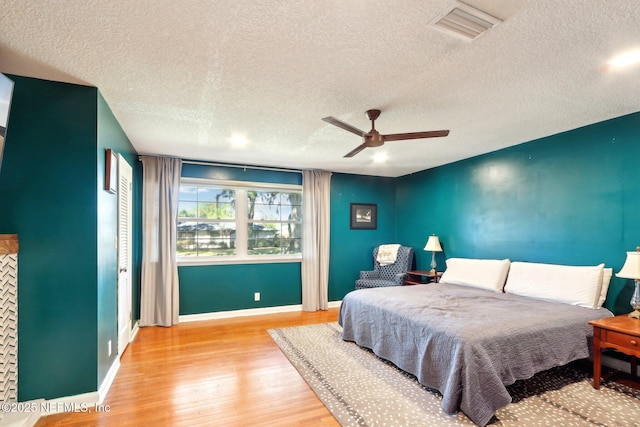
[{"x": 360, "y": 389}]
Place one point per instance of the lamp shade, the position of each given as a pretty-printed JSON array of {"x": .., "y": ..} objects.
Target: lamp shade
[
  {"x": 433, "y": 244},
  {"x": 631, "y": 267}
]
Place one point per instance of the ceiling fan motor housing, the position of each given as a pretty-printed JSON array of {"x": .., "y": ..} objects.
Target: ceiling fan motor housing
[{"x": 373, "y": 139}]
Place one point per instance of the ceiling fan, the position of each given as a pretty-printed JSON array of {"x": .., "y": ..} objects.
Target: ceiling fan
[{"x": 373, "y": 138}]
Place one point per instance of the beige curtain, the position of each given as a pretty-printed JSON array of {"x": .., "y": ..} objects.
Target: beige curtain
[
  {"x": 315, "y": 239},
  {"x": 159, "y": 303}
]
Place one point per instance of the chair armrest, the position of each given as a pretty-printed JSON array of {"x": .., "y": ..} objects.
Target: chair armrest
[
  {"x": 369, "y": 275},
  {"x": 399, "y": 278}
]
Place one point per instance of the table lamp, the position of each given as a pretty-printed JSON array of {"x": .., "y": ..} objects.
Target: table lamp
[
  {"x": 631, "y": 270},
  {"x": 433, "y": 245}
]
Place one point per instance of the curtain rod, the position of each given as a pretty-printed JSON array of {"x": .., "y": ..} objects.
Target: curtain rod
[{"x": 230, "y": 165}]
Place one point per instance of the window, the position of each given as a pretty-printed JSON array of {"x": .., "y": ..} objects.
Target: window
[
  {"x": 206, "y": 221},
  {"x": 227, "y": 222},
  {"x": 274, "y": 222}
]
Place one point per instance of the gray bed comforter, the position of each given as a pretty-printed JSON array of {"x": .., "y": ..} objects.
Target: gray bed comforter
[{"x": 465, "y": 342}]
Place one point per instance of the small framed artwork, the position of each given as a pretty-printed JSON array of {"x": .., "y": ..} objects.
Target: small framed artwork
[
  {"x": 364, "y": 216},
  {"x": 110, "y": 171}
]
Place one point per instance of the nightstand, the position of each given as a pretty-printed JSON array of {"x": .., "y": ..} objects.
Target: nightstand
[
  {"x": 621, "y": 333},
  {"x": 420, "y": 277}
]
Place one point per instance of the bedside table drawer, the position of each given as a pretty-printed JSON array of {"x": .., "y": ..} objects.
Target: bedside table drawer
[
  {"x": 627, "y": 341},
  {"x": 622, "y": 333}
]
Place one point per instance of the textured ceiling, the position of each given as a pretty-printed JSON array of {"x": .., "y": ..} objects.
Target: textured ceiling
[{"x": 184, "y": 77}]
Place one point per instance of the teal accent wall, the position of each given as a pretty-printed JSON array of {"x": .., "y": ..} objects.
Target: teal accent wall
[
  {"x": 190, "y": 170},
  {"x": 351, "y": 250},
  {"x": 214, "y": 288},
  {"x": 50, "y": 188},
  {"x": 111, "y": 135},
  {"x": 571, "y": 198},
  {"x": 211, "y": 288},
  {"x": 48, "y": 184}
]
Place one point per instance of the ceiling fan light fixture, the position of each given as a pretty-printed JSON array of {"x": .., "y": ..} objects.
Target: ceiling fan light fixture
[
  {"x": 380, "y": 157},
  {"x": 625, "y": 60},
  {"x": 464, "y": 21}
]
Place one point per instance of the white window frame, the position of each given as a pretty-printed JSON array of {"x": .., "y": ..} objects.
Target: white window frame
[{"x": 242, "y": 256}]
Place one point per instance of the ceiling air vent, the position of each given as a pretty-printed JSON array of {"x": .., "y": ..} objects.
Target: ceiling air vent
[{"x": 464, "y": 21}]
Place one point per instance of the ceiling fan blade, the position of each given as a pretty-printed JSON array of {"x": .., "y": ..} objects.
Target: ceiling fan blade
[
  {"x": 356, "y": 150},
  {"x": 345, "y": 126},
  {"x": 415, "y": 135}
]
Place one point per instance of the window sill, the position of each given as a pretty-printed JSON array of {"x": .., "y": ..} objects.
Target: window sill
[{"x": 263, "y": 259}]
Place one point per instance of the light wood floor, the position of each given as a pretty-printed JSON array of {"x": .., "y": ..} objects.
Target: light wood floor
[{"x": 225, "y": 372}]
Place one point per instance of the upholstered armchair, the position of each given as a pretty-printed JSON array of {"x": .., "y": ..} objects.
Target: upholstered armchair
[{"x": 387, "y": 275}]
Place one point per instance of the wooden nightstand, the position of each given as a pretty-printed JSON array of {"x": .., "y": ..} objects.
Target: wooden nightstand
[
  {"x": 621, "y": 333},
  {"x": 420, "y": 277}
]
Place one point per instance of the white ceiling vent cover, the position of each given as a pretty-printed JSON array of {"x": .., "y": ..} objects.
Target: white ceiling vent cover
[{"x": 464, "y": 21}]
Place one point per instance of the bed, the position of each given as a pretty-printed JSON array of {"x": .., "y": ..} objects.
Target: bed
[{"x": 469, "y": 341}]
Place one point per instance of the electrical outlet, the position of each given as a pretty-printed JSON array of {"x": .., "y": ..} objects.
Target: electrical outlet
[
  {"x": 256, "y": 296},
  {"x": 109, "y": 347}
]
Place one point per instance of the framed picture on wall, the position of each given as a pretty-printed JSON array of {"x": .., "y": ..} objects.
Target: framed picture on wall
[
  {"x": 364, "y": 216},
  {"x": 111, "y": 171}
]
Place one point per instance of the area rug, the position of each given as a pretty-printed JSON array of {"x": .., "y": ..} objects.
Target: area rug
[{"x": 360, "y": 389}]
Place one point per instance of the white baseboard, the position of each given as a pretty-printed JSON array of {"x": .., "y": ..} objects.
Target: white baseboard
[
  {"x": 85, "y": 401},
  {"x": 108, "y": 380},
  {"x": 335, "y": 304},
  {"x": 77, "y": 403},
  {"x": 247, "y": 312},
  {"x": 134, "y": 331}
]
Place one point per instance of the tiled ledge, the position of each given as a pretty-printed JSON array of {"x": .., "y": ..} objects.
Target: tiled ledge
[{"x": 8, "y": 244}]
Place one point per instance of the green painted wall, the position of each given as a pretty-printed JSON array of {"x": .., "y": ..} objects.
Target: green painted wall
[
  {"x": 51, "y": 194},
  {"x": 240, "y": 174},
  {"x": 211, "y": 288},
  {"x": 48, "y": 193},
  {"x": 351, "y": 250},
  {"x": 214, "y": 288},
  {"x": 571, "y": 198},
  {"x": 110, "y": 135}
]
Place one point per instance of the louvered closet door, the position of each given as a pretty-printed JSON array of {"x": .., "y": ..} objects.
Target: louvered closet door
[{"x": 124, "y": 253}]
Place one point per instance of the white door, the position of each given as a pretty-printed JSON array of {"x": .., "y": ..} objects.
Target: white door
[{"x": 124, "y": 253}]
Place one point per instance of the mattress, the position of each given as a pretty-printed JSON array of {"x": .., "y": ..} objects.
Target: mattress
[{"x": 467, "y": 343}]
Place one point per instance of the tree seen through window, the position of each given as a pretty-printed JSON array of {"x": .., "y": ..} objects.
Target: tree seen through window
[{"x": 208, "y": 221}]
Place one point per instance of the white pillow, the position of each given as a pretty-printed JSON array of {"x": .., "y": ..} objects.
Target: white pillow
[
  {"x": 606, "y": 278},
  {"x": 574, "y": 285},
  {"x": 478, "y": 273}
]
